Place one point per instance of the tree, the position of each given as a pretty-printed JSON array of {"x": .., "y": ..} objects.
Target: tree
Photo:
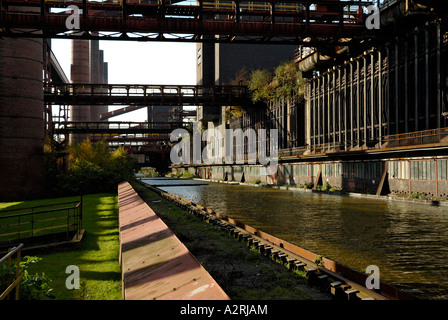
[
  {"x": 285, "y": 82},
  {"x": 242, "y": 77},
  {"x": 260, "y": 85},
  {"x": 288, "y": 80},
  {"x": 92, "y": 168}
]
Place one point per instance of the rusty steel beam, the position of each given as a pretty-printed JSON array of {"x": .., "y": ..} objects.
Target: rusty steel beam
[
  {"x": 121, "y": 111},
  {"x": 277, "y": 23},
  {"x": 144, "y": 139}
]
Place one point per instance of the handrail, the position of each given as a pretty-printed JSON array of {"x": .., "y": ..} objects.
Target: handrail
[
  {"x": 11, "y": 253},
  {"x": 439, "y": 132},
  {"x": 38, "y": 212},
  {"x": 42, "y": 206},
  {"x": 415, "y": 134},
  {"x": 133, "y": 94},
  {"x": 16, "y": 283},
  {"x": 74, "y": 212}
]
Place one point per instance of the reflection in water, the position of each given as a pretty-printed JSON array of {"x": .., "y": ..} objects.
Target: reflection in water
[{"x": 408, "y": 242}]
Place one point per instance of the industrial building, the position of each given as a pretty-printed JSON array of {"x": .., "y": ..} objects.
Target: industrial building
[
  {"x": 375, "y": 108},
  {"x": 374, "y": 117}
]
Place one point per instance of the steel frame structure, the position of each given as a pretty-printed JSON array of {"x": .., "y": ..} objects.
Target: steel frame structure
[
  {"x": 392, "y": 97},
  {"x": 275, "y": 22},
  {"x": 143, "y": 95},
  {"x": 393, "y": 89},
  {"x": 116, "y": 127}
]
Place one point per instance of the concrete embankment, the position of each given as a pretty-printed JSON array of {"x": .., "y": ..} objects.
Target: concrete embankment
[{"x": 155, "y": 264}]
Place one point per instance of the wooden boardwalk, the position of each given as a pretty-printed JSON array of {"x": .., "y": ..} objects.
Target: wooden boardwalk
[{"x": 155, "y": 264}]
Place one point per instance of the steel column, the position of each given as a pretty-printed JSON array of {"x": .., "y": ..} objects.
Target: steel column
[
  {"x": 416, "y": 79},
  {"x": 318, "y": 111},
  {"x": 351, "y": 104},
  {"x": 380, "y": 96},
  {"x": 438, "y": 67},
  {"x": 345, "y": 108},
  {"x": 334, "y": 106},
  {"x": 397, "y": 90},
  {"x": 406, "y": 99},
  {"x": 323, "y": 111},
  {"x": 365, "y": 100},
  {"x": 328, "y": 108},
  {"x": 357, "y": 103},
  {"x": 388, "y": 131},
  {"x": 313, "y": 112},
  {"x": 339, "y": 105},
  {"x": 427, "y": 79},
  {"x": 372, "y": 96}
]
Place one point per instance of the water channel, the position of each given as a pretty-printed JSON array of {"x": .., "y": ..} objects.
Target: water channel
[{"x": 407, "y": 241}]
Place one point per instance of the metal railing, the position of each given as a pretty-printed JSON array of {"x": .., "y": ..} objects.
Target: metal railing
[
  {"x": 40, "y": 220},
  {"x": 118, "y": 127},
  {"x": 13, "y": 283},
  {"x": 417, "y": 137},
  {"x": 395, "y": 140},
  {"x": 125, "y": 94}
]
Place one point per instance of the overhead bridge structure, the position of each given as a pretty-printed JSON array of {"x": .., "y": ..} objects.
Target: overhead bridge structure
[
  {"x": 281, "y": 22},
  {"x": 150, "y": 135},
  {"x": 117, "y": 127},
  {"x": 146, "y": 95},
  {"x": 176, "y": 113}
]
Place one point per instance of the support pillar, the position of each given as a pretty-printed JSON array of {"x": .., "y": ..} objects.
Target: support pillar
[
  {"x": 80, "y": 73},
  {"x": 22, "y": 132}
]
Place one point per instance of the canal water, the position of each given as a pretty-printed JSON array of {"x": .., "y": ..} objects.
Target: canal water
[{"x": 407, "y": 241}]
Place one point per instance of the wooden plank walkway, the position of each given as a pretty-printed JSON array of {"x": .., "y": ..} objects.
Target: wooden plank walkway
[{"x": 154, "y": 263}]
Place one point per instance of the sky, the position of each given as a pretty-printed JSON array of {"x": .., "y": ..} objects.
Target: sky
[{"x": 132, "y": 62}]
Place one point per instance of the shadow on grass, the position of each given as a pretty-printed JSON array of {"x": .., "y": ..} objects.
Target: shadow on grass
[{"x": 97, "y": 259}]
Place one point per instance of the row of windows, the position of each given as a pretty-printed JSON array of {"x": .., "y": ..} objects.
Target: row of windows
[
  {"x": 442, "y": 169},
  {"x": 418, "y": 170},
  {"x": 398, "y": 170}
]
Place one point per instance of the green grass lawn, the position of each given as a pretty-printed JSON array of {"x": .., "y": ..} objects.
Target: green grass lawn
[
  {"x": 97, "y": 259},
  {"x": 54, "y": 217}
]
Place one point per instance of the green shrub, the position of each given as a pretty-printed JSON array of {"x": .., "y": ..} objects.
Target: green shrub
[
  {"x": 325, "y": 187},
  {"x": 417, "y": 195},
  {"x": 187, "y": 175},
  {"x": 284, "y": 82},
  {"x": 32, "y": 287},
  {"x": 92, "y": 168},
  {"x": 151, "y": 172},
  {"x": 319, "y": 260},
  {"x": 257, "y": 181},
  {"x": 308, "y": 185}
]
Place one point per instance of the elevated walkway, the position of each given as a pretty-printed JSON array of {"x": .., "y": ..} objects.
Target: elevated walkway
[
  {"x": 155, "y": 264},
  {"x": 116, "y": 127},
  {"x": 144, "y": 95}
]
